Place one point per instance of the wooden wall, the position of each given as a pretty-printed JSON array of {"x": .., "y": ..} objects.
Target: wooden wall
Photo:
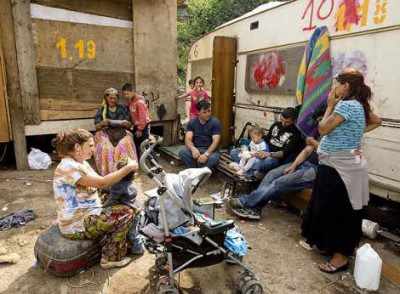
[
  {"x": 121, "y": 9},
  {"x": 5, "y": 133},
  {"x": 75, "y": 62}
]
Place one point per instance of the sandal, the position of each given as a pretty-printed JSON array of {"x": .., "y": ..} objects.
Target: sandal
[{"x": 329, "y": 268}]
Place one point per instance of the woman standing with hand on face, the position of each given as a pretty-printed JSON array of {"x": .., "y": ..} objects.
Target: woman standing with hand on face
[{"x": 333, "y": 219}]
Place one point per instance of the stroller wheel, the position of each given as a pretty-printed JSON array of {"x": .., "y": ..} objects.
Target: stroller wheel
[
  {"x": 249, "y": 284},
  {"x": 165, "y": 287},
  {"x": 160, "y": 263},
  {"x": 252, "y": 287}
]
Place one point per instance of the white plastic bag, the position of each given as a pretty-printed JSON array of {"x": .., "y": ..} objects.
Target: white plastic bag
[
  {"x": 38, "y": 159},
  {"x": 367, "y": 270}
]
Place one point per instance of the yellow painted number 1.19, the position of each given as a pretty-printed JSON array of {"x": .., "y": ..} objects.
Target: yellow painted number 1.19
[{"x": 89, "y": 53}]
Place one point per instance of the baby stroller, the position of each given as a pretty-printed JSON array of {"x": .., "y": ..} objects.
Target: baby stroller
[{"x": 201, "y": 244}]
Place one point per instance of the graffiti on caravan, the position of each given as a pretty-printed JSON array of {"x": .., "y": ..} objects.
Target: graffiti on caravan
[
  {"x": 353, "y": 59},
  {"x": 273, "y": 71},
  {"x": 344, "y": 15}
]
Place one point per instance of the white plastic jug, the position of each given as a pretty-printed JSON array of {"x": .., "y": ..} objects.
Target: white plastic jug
[{"x": 368, "y": 267}]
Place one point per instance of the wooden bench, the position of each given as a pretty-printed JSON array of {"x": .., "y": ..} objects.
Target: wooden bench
[
  {"x": 235, "y": 184},
  {"x": 298, "y": 200}
]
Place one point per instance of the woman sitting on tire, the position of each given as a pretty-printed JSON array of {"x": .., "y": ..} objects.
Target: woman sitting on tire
[{"x": 80, "y": 214}]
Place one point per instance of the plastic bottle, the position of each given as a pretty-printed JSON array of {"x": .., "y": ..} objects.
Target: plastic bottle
[{"x": 368, "y": 267}]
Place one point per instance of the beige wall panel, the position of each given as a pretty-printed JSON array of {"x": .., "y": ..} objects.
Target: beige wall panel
[{"x": 155, "y": 53}]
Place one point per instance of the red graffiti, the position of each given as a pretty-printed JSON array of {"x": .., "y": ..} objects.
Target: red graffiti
[
  {"x": 351, "y": 15},
  {"x": 269, "y": 71},
  {"x": 319, "y": 13}
]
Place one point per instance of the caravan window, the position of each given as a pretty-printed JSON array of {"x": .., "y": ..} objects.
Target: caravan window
[
  {"x": 254, "y": 25},
  {"x": 273, "y": 71}
]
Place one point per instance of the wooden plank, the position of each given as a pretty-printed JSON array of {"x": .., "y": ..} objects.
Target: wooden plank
[
  {"x": 13, "y": 91},
  {"x": 120, "y": 9},
  {"x": 55, "y": 126},
  {"x": 59, "y": 114},
  {"x": 391, "y": 272},
  {"x": 83, "y": 85},
  {"x": 224, "y": 63},
  {"x": 5, "y": 133},
  {"x": 26, "y": 60},
  {"x": 68, "y": 105},
  {"x": 298, "y": 200}
]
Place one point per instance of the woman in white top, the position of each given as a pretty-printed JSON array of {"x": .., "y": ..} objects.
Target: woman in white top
[{"x": 80, "y": 214}]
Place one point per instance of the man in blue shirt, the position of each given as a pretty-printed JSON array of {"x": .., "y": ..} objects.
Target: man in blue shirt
[{"x": 201, "y": 139}]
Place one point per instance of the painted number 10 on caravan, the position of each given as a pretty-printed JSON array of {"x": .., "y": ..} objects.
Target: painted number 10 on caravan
[
  {"x": 83, "y": 49},
  {"x": 346, "y": 13}
]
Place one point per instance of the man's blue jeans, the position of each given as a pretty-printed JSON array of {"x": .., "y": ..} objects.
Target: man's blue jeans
[
  {"x": 186, "y": 156},
  {"x": 277, "y": 182}
]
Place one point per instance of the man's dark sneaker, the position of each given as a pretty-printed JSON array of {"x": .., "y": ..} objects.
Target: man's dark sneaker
[
  {"x": 235, "y": 203},
  {"x": 247, "y": 213}
]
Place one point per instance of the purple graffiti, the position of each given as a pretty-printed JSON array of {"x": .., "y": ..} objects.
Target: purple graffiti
[{"x": 354, "y": 59}]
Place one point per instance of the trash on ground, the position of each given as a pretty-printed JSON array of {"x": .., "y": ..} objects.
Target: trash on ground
[
  {"x": 38, "y": 159},
  {"x": 16, "y": 219},
  {"x": 368, "y": 268},
  {"x": 10, "y": 258}
]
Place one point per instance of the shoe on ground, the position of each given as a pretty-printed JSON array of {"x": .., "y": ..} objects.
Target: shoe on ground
[
  {"x": 305, "y": 245},
  {"x": 137, "y": 249},
  {"x": 235, "y": 203},
  {"x": 247, "y": 213},
  {"x": 115, "y": 264}
]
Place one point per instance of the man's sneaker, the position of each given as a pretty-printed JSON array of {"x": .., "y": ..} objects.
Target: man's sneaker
[
  {"x": 137, "y": 247},
  {"x": 104, "y": 264},
  {"x": 247, "y": 213},
  {"x": 235, "y": 203}
]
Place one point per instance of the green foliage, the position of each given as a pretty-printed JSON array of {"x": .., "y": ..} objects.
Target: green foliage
[{"x": 205, "y": 16}]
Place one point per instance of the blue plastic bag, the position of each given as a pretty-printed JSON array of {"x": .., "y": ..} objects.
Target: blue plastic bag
[{"x": 235, "y": 242}]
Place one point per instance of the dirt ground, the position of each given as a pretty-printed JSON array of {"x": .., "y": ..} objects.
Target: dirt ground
[{"x": 275, "y": 256}]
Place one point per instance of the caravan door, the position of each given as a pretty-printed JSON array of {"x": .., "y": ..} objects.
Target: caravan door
[{"x": 223, "y": 83}]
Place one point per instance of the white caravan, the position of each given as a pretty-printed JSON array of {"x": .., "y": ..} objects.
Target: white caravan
[{"x": 365, "y": 34}]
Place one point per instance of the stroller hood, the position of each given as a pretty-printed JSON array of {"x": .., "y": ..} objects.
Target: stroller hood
[
  {"x": 182, "y": 185},
  {"x": 190, "y": 178}
]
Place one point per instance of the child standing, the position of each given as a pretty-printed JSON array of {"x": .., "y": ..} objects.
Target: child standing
[
  {"x": 139, "y": 114},
  {"x": 248, "y": 155}
]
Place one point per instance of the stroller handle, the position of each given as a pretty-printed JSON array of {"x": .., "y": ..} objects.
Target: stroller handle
[{"x": 147, "y": 148}]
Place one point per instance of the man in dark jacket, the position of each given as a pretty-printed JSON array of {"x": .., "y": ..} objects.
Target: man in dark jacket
[{"x": 284, "y": 141}]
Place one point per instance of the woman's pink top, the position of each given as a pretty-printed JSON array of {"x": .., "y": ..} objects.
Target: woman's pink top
[{"x": 195, "y": 97}]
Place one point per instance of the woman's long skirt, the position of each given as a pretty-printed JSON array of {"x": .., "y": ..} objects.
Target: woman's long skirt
[
  {"x": 107, "y": 155},
  {"x": 330, "y": 222}
]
